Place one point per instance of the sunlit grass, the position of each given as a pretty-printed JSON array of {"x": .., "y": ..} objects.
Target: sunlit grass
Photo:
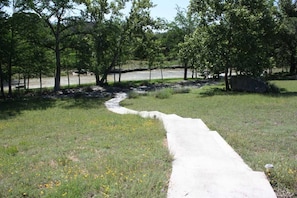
[
  {"x": 261, "y": 128},
  {"x": 76, "y": 148}
]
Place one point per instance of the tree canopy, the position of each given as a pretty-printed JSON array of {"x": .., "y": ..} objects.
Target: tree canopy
[
  {"x": 235, "y": 35},
  {"x": 217, "y": 37}
]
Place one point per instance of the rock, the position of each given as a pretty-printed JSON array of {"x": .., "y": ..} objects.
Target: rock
[
  {"x": 95, "y": 88},
  {"x": 248, "y": 84}
]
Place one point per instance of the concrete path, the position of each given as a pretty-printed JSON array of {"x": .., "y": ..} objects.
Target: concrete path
[{"x": 204, "y": 164}]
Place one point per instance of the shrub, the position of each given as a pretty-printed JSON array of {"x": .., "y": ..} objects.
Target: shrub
[
  {"x": 272, "y": 88},
  {"x": 164, "y": 93},
  {"x": 181, "y": 90},
  {"x": 133, "y": 94}
]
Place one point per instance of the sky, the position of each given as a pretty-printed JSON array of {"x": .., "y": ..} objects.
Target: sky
[
  {"x": 164, "y": 8},
  {"x": 167, "y": 8}
]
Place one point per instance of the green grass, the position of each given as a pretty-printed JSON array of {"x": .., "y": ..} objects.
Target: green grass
[
  {"x": 261, "y": 128},
  {"x": 76, "y": 148}
]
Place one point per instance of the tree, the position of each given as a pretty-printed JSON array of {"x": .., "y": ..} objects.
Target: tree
[
  {"x": 152, "y": 51},
  {"x": 3, "y": 43},
  {"x": 287, "y": 35},
  {"x": 82, "y": 45},
  {"x": 112, "y": 35},
  {"x": 238, "y": 34},
  {"x": 106, "y": 35},
  {"x": 57, "y": 15},
  {"x": 192, "y": 51},
  {"x": 31, "y": 59},
  {"x": 183, "y": 25}
]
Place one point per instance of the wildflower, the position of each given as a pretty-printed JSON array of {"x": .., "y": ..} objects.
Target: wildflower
[
  {"x": 290, "y": 171},
  {"x": 58, "y": 183}
]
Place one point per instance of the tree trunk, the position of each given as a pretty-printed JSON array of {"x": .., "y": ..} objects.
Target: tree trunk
[
  {"x": 11, "y": 54},
  {"x": 58, "y": 58},
  {"x": 40, "y": 80},
  {"x": 58, "y": 68},
  {"x": 25, "y": 81},
  {"x": 2, "y": 81},
  {"x": 68, "y": 78},
  {"x": 28, "y": 82},
  {"x": 120, "y": 72},
  {"x": 97, "y": 76},
  {"x": 9, "y": 75},
  {"x": 186, "y": 70},
  {"x": 79, "y": 78},
  {"x": 107, "y": 71},
  {"x": 227, "y": 80},
  {"x": 293, "y": 63}
]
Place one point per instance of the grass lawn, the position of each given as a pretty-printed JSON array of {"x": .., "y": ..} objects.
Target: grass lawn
[
  {"x": 76, "y": 148},
  {"x": 261, "y": 128}
]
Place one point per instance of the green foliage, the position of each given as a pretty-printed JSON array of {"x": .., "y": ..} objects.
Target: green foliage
[
  {"x": 233, "y": 35},
  {"x": 115, "y": 39},
  {"x": 59, "y": 30},
  {"x": 183, "y": 24},
  {"x": 286, "y": 40},
  {"x": 164, "y": 93}
]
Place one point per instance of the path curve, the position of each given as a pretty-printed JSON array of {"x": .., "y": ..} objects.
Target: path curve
[{"x": 204, "y": 164}]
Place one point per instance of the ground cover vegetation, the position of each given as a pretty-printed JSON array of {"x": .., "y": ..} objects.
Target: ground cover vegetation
[
  {"x": 76, "y": 148},
  {"x": 40, "y": 38},
  {"x": 261, "y": 128}
]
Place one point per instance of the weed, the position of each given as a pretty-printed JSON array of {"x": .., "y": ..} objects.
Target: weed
[{"x": 10, "y": 150}]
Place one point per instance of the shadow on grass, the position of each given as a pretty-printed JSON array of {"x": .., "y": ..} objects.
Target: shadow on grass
[
  {"x": 12, "y": 108},
  {"x": 215, "y": 91},
  {"x": 83, "y": 103}
]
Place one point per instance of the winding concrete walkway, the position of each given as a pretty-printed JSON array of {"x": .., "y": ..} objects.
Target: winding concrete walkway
[{"x": 204, "y": 164}]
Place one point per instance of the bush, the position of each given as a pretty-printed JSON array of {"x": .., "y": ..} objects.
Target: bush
[
  {"x": 272, "y": 88},
  {"x": 181, "y": 90},
  {"x": 164, "y": 93},
  {"x": 133, "y": 94}
]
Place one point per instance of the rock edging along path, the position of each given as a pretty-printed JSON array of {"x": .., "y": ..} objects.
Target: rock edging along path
[{"x": 204, "y": 164}]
